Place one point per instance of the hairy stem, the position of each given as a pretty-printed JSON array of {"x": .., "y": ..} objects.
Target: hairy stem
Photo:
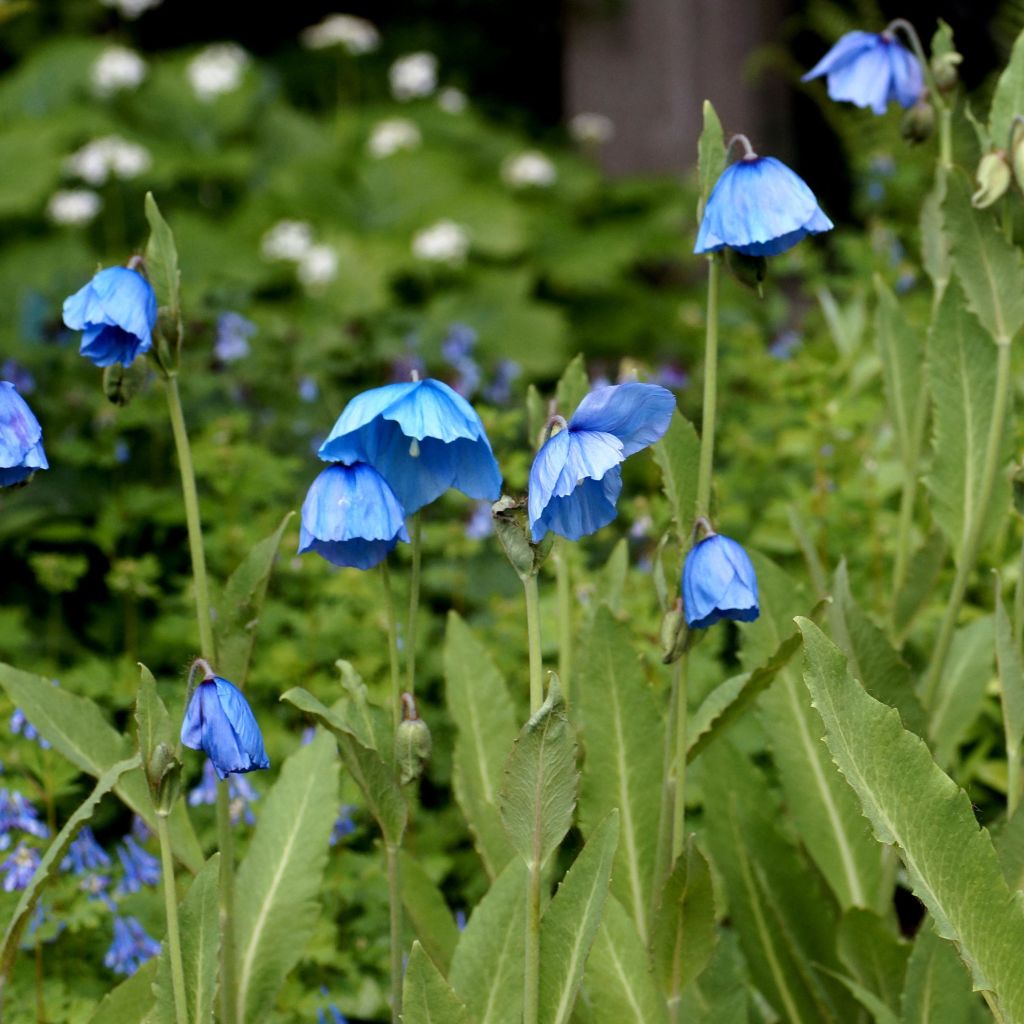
[
  {"x": 226, "y": 845},
  {"x": 395, "y": 920},
  {"x": 396, "y": 675},
  {"x": 173, "y": 936},
  {"x": 707, "y": 432},
  {"x": 533, "y": 639},
  {"x": 414, "y": 605},
  {"x": 531, "y": 971},
  {"x": 563, "y": 577},
  {"x": 679, "y": 785}
]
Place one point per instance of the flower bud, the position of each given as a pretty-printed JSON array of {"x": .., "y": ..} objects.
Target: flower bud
[
  {"x": 673, "y": 634},
  {"x": 748, "y": 270},
  {"x": 412, "y": 742},
  {"x": 122, "y": 383},
  {"x": 993, "y": 179},
  {"x": 163, "y": 773},
  {"x": 944, "y": 68},
  {"x": 918, "y": 122},
  {"x": 513, "y": 530}
]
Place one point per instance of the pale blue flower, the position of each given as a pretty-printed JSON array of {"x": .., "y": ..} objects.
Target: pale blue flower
[
  {"x": 719, "y": 582},
  {"x": 21, "y": 438},
  {"x": 116, "y": 311},
  {"x": 218, "y": 720}
]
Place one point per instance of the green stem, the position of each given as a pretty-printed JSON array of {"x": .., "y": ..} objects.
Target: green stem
[
  {"x": 679, "y": 787},
  {"x": 226, "y": 845},
  {"x": 396, "y": 674},
  {"x": 563, "y": 577},
  {"x": 531, "y": 972},
  {"x": 663, "y": 851},
  {"x": 972, "y": 542},
  {"x": 173, "y": 936},
  {"x": 414, "y": 605},
  {"x": 533, "y": 640},
  {"x": 945, "y": 137},
  {"x": 707, "y": 433},
  {"x": 395, "y": 916},
  {"x": 1018, "y": 601}
]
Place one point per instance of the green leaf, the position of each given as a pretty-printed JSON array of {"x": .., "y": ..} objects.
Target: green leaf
[
  {"x": 1008, "y": 99},
  {"x": 538, "y": 794},
  {"x": 77, "y": 729},
  {"x": 131, "y": 1002},
  {"x": 987, "y": 265},
  {"x": 427, "y": 912},
  {"x": 1009, "y": 843},
  {"x": 913, "y": 804},
  {"x": 880, "y": 1013},
  {"x": 374, "y": 777},
  {"x": 536, "y": 414},
  {"x": 922, "y": 574},
  {"x": 487, "y": 966},
  {"x": 678, "y": 458},
  {"x": 937, "y": 989},
  {"x": 962, "y": 380},
  {"x": 162, "y": 260},
  {"x": 572, "y": 388},
  {"x": 624, "y": 735},
  {"x": 278, "y": 883},
  {"x": 1011, "y": 687},
  {"x": 874, "y": 955},
  {"x": 426, "y": 997},
  {"x": 571, "y": 920},
  {"x": 151, "y": 718},
  {"x": 685, "y": 935},
  {"x": 238, "y": 613},
  {"x": 935, "y": 255},
  {"x": 610, "y": 584},
  {"x": 478, "y": 701},
  {"x": 49, "y": 864},
  {"x": 618, "y": 987},
  {"x": 710, "y": 156}
]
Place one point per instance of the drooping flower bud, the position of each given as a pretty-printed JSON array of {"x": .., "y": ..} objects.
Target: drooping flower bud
[
  {"x": 719, "y": 582},
  {"x": 412, "y": 742},
  {"x": 918, "y": 122},
  {"x": 122, "y": 383},
  {"x": 749, "y": 270},
  {"x": 673, "y": 633},
  {"x": 993, "y": 177}
]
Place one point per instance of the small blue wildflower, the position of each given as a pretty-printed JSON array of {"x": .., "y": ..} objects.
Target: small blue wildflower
[
  {"x": 21, "y": 726},
  {"x": 576, "y": 477},
  {"x": 140, "y": 868},
  {"x": 11, "y": 370},
  {"x": 240, "y": 794},
  {"x": 351, "y": 517},
  {"x": 308, "y": 735},
  {"x": 336, "y": 1015},
  {"x": 218, "y": 719},
  {"x": 131, "y": 947},
  {"x": 460, "y": 919},
  {"x": 19, "y": 867},
  {"x": 422, "y": 437},
  {"x": 459, "y": 344},
  {"x": 499, "y": 391},
  {"x": 871, "y": 69},
  {"x": 122, "y": 453},
  {"x": 116, "y": 311},
  {"x": 481, "y": 522},
  {"x": 759, "y": 207},
  {"x": 85, "y": 854},
  {"x": 140, "y": 830},
  {"x": 718, "y": 583},
  {"x": 308, "y": 390},
  {"x": 343, "y": 824},
  {"x": 233, "y": 334},
  {"x": 785, "y": 344},
  {"x": 641, "y": 528},
  {"x": 21, "y": 438},
  {"x": 671, "y": 376},
  {"x": 17, "y": 814}
]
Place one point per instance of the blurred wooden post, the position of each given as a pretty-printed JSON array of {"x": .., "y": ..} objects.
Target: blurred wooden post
[{"x": 649, "y": 64}]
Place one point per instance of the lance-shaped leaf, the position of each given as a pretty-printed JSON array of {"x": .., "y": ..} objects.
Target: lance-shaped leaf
[
  {"x": 538, "y": 794},
  {"x": 937, "y": 989},
  {"x": 278, "y": 882},
  {"x": 678, "y": 458},
  {"x": 1011, "y": 689},
  {"x": 427, "y": 912},
  {"x": 1008, "y": 99},
  {"x": 710, "y": 155},
  {"x": 151, "y": 718},
  {"x": 49, "y": 863},
  {"x": 935, "y": 255},
  {"x": 922, "y": 575},
  {"x": 572, "y": 387},
  {"x": 162, "y": 260},
  {"x": 874, "y": 955},
  {"x": 131, "y": 1002},
  {"x": 571, "y": 920},
  {"x": 479, "y": 703},
  {"x": 426, "y": 997},
  {"x": 913, "y": 804},
  {"x": 624, "y": 737}
]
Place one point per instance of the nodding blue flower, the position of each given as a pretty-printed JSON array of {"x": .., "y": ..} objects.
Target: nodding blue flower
[
  {"x": 343, "y": 824},
  {"x": 131, "y": 947},
  {"x": 240, "y": 794},
  {"x": 718, "y": 583},
  {"x": 759, "y": 207},
  {"x": 21, "y": 726},
  {"x": 576, "y": 477},
  {"x": 422, "y": 437},
  {"x": 871, "y": 69},
  {"x": 140, "y": 868},
  {"x": 116, "y": 311},
  {"x": 19, "y": 867},
  {"x": 21, "y": 438},
  {"x": 218, "y": 719},
  {"x": 17, "y": 814},
  {"x": 351, "y": 517},
  {"x": 85, "y": 854},
  {"x": 233, "y": 334}
]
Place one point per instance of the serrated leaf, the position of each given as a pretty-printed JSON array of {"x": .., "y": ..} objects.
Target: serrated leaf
[
  {"x": 937, "y": 989},
  {"x": 935, "y": 255},
  {"x": 162, "y": 260},
  {"x": 487, "y": 966},
  {"x": 570, "y": 923},
  {"x": 572, "y": 388},
  {"x": 874, "y": 955},
  {"x": 538, "y": 793},
  {"x": 427, "y": 912},
  {"x": 76, "y": 728},
  {"x": 986, "y": 264},
  {"x": 1011, "y": 689},
  {"x": 1009, "y": 842},
  {"x": 710, "y": 156},
  {"x": 278, "y": 883},
  {"x": 49, "y": 863},
  {"x": 131, "y": 1002},
  {"x": 678, "y": 458},
  {"x": 624, "y": 735},
  {"x": 426, "y": 997},
  {"x": 478, "y": 701},
  {"x": 914, "y": 805},
  {"x": 241, "y": 604},
  {"x": 962, "y": 380},
  {"x": 1008, "y": 99}
]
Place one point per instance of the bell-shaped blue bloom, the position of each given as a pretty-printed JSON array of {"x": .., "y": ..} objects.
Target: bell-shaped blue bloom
[
  {"x": 218, "y": 719},
  {"x": 21, "y": 438},
  {"x": 422, "y": 437},
  {"x": 116, "y": 312},
  {"x": 351, "y": 517},
  {"x": 576, "y": 478},
  {"x": 759, "y": 207},
  {"x": 870, "y": 69},
  {"x": 718, "y": 583}
]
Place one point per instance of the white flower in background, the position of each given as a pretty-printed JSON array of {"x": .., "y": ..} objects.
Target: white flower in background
[
  {"x": 216, "y": 70},
  {"x": 413, "y": 76},
  {"x": 75, "y": 206},
  {"x": 529, "y": 169},
  {"x": 132, "y": 8},
  {"x": 287, "y": 240},
  {"x": 592, "y": 129},
  {"x": 356, "y": 35},
  {"x": 110, "y": 156},
  {"x": 452, "y": 100},
  {"x": 115, "y": 69},
  {"x": 392, "y": 135},
  {"x": 318, "y": 266},
  {"x": 443, "y": 242}
]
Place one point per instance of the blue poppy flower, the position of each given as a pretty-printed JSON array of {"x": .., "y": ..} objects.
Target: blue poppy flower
[
  {"x": 718, "y": 583},
  {"x": 218, "y": 719},
  {"x": 422, "y": 437},
  {"x": 871, "y": 69},
  {"x": 21, "y": 438},
  {"x": 116, "y": 311},
  {"x": 351, "y": 517},
  {"x": 759, "y": 207},
  {"x": 576, "y": 477}
]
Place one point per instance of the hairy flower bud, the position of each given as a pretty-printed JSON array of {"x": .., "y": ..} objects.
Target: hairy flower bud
[
  {"x": 944, "y": 68},
  {"x": 412, "y": 742},
  {"x": 918, "y": 122},
  {"x": 993, "y": 177}
]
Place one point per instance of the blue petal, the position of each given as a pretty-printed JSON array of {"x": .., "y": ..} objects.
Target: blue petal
[
  {"x": 864, "y": 81},
  {"x": 907, "y": 76},
  {"x": 718, "y": 582},
  {"x": 115, "y": 296},
  {"x": 637, "y": 414},
  {"x": 849, "y": 47},
  {"x": 20, "y": 432},
  {"x": 243, "y": 724},
  {"x": 590, "y": 506},
  {"x": 105, "y": 345},
  {"x": 348, "y": 554},
  {"x": 220, "y": 722}
]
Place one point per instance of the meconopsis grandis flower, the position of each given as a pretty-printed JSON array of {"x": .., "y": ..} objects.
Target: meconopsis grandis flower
[
  {"x": 21, "y": 438},
  {"x": 718, "y": 583},
  {"x": 576, "y": 477},
  {"x": 116, "y": 312}
]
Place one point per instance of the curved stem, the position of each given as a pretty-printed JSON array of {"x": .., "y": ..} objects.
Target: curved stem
[
  {"x": 563, "y": 577},
  {"x": 395, "y": 924},
  {"x": 533, "y": 640},
  {"x": 915, "y": 44},
  {"x": 748, "y": 149},
  {"x": 173, "y": 936},
  {"x": 396, "y": 680},
  {"x": 414, "y": 605},
  {"x": 707, "y": 433}
]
